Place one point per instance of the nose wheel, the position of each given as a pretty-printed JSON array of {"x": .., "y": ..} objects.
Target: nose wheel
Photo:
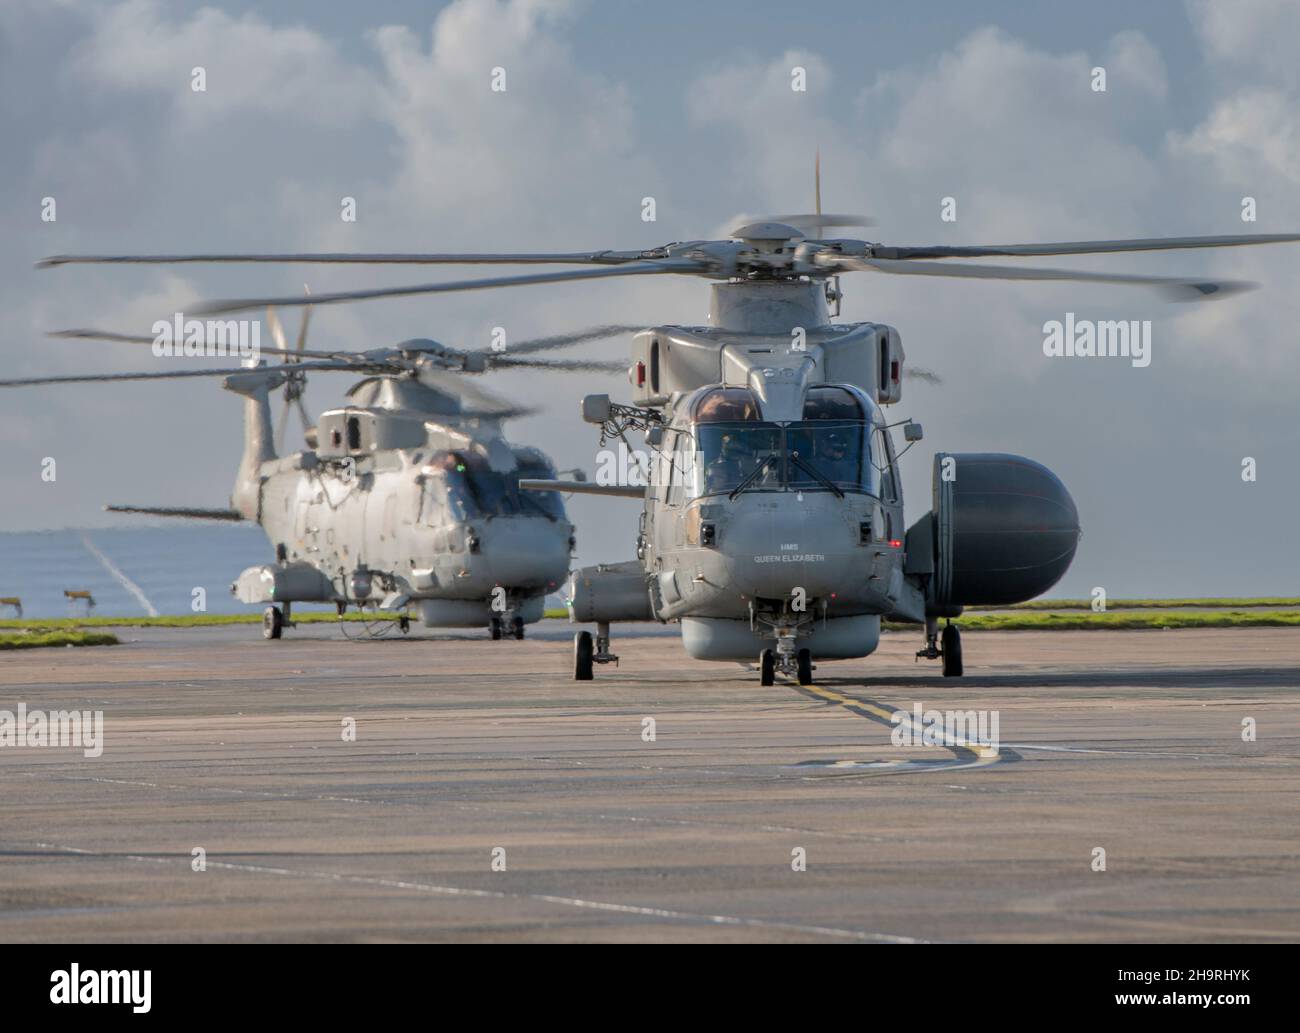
[
  {"x": 786, "y": 659},
  {"x": 803, "y": 666},
  {"x": 587, "y": 652},
  {"x": 506, "y": 622}
]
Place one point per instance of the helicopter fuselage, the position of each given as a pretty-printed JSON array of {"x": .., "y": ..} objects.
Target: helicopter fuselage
[
  {"x": 762, "y": 525},
  {"x": 772, "y": 526},
  {"x": 408, "y": 509}
]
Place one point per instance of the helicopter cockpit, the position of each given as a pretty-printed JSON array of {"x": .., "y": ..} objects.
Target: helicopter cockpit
[
  {"x": 830, "y": 449},
  {"x": 468, "y": 488}
]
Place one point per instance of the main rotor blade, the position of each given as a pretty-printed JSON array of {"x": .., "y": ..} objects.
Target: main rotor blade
[
  {"x": 1082, "y": 247},
  {"x": 593, "y": 333},
  {"x": 517, "y": 413},
  {"x": 180, "y": 511},
  {"x": 562, "y": 365},
  {"x": 177, "y": 374},
  {"x": 649, "y": 267},
  {"x": 88, "y": 378},
  {"x": 483, "y": 401},
  {"x": 356, "y": 258},
  {"x": 1176, "y": 287},
  {"x": 116, "y": 338}
]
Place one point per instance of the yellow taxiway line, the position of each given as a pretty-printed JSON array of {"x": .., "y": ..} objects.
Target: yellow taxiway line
[{"x": 983, "y": 753}]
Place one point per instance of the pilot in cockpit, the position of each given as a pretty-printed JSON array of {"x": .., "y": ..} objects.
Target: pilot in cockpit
[{"x": 731, "y": 465}]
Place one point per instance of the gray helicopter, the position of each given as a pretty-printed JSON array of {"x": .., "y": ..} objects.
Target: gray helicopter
[
  {"x": 773, "y": 529},
  {"x": 405, "y": 499}
]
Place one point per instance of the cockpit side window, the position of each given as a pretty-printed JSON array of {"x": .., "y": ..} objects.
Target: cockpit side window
[
  {"x": 883, "y": 457},
  {"x": 668, "y": 472}
]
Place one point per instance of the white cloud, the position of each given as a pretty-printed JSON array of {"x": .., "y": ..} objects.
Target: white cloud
[
  {"x": 1255, "y": 37},
  {"x": 252, "y": 68}
]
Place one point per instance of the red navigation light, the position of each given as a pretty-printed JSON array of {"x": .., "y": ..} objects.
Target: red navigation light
[{"x": 895, "y": 543}]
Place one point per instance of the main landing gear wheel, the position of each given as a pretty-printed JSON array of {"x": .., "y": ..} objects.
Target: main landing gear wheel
[
  {"x": 404, "y": 624},
  {"x": 582, "y": 656},
  {"x": 517, "y": 628},
  {"x": 494, "y": 628},
  {"x": 767, "y": 667},
  {"x": 950, "y": 645},
  {"x": 803, "y": 666},
  {"x": 272, "y": 622}
]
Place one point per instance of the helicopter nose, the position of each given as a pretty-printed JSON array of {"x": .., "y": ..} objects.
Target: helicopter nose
[
  {"x": 771, "y": 552},
  {"x": 525, "y": 553}
]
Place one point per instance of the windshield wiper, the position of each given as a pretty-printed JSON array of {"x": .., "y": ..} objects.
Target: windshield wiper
[
  {"x": 751, "y": 477},
  {"x": 825, "y": 481}
]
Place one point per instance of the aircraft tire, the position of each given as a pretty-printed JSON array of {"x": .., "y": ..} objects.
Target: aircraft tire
[
  {"x": 950, "y": 646},
  {"x": 582, "y": 656},
  {"x": 272, "y": 623}
]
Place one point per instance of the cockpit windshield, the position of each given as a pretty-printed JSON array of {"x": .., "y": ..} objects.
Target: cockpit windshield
[
  {"x": 474, "y": 490},
  {"x": 808, "y": 455}
]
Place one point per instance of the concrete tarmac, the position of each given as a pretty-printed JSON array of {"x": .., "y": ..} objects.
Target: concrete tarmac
[{"x": 471, "y": 756}]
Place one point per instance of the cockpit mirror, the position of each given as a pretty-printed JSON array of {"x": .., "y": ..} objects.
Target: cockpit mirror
[
  {"x": 912, "y": 431},
  {"x": 595, "y": 408}
]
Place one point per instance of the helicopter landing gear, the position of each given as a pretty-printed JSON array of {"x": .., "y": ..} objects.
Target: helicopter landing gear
[
  {"x": 517, "y": 628},
  {"x": 951, "y": 648},
  {"x": 787, "y": 655},
  {"x": 494, "y": 628},
  {"x": 582, "y": 656},
  {"x": 931, "y": 650},
  {"x": 272, "y": 623},
  {"x": 766, "y": 667},
  {"x": 946, "y": 646},
  {"x": 587, "y": 651},
  {"x": 804, "y": 666}
]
